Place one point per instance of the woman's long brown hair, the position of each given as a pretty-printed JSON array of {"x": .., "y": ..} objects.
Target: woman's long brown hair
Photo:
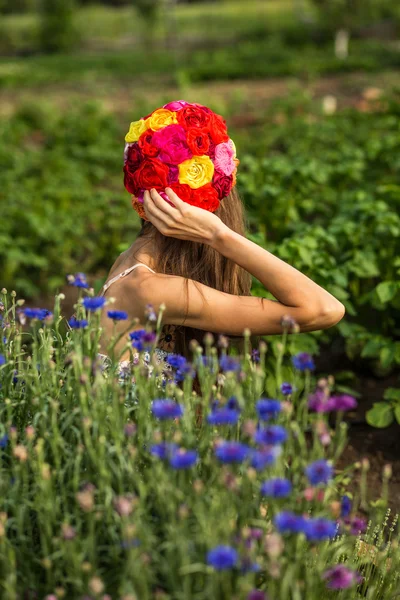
[{"x": 203, "y": 264}]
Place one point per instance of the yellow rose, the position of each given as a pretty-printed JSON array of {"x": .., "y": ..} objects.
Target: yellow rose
[
  {"x": 196, "y": 171},
  {"x": 161, "y": 118},
  {"x": 135, "y": 131}
]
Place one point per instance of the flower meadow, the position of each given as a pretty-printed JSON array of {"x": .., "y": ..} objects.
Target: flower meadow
[{"x": 125, "y": 484}]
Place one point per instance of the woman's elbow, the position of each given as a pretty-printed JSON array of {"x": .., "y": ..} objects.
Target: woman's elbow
[{"x": 331, "y": 315}]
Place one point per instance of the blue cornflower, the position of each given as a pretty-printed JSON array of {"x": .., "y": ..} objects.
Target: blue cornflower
[
  {"x": 222, "y": 557},
  {"x": 232, "y": 403},
  {"x": 320, "y": 471},
  {"x": 286, "y": 388},
  {"x": 223, "y": 416},
  {"x": 230, "y": 452},
  {"x": 36, "y": 313},
  {"x": 275, "y": 434},
  {"x": 166, "y": 409},
  {"x": 345, "y": 506},
  {"x": 2, "y": 359},
  {"x": 94, "y": 303},
  {"x": 268, "y": 408},
  {"x": 255, "y": 355},
  {"x": 4, "y": 441},
  {"x": 319, "y": 529},
  {"x": 265, "y": 457},
  {"x": 117, "y": 315},
  {"x": 130, "y": 543},
  {"x": 183, "y": 459},
  {"x": 142, "y": 339},
  {"x": 247, "y": 566},
  {"x": 77, "y": 323},
  {"x": 176, "y": 360},
  {"x": 303, "y": 361},
  {"x": 229, "y": 363},
  {"x": 78, "y": 280},
  {"x": 276, "y": 488},
  {"x": 289, "y": 522},
  {"x": 181, "y": 373},
  {"x": 163, "y": 449}
]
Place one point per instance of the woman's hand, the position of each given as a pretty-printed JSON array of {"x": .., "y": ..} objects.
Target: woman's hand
[{"x": 181, "y": 220}]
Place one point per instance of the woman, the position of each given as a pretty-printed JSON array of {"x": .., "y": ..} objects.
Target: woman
[{"x": 191, "y": 253}]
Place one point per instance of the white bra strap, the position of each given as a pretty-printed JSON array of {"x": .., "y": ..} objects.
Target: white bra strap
[{"x": 120, "y": 275}]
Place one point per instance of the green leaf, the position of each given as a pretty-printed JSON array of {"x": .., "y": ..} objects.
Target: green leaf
[
  {"x": 392, "y": 394},
  {"x": 386, "y": 356},
  {"x": 397, "y": 413},
  {"x": 380, "y": 415},
  {"x": 387, "y": 290}
]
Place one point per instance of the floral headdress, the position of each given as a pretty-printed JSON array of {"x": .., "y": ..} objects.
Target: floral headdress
[{"x": 182, "y": 146}]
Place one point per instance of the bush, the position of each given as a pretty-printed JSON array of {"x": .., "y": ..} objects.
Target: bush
[
  {"x": 109, "y": 489},
  {"x": 324, "y": 196}
]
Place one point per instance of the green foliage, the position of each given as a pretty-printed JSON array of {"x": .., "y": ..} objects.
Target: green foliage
[
  {"x": 325, "y": 197},
  {"x": 62, "y": 196},
  {"x": 57, "y": 30},
  {"x": 88, "y": 508}
]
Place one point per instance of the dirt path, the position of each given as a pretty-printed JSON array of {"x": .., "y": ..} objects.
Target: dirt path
[{"x": 241, "y": 97}]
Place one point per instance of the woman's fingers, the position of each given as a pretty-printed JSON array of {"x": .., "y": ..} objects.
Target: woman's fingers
[
  {"x": 175, "y": 198},
  {"x": 161, "y": 203}
]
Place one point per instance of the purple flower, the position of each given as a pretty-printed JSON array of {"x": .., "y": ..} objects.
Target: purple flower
[
  {"x": 286, "y": 389},
  {"x": 176, "y": 360},
  {"x": 163, "y": 450},
  {"x": 289, "y": 522},
  {"x": 77, "y": 323},
  {"x": 4, "y": 441},
  {"x": 78, "y": 280},
  {"x": 267, "y": 408},
  {"x": 343, "y": 402},
  {"x": 320, "y": 471},
  {"x": 356, "y": 524},
  {"x": 256, "y": 595},
  {"x": 95, "y": 303},
  {"x": 222, "y": 557},
  {"x": 181, "y": 373},
  {"x": 276, "y": 488},
  {"x": 229, "y": 363},
  {"x": 259, "y": 459},
  {"x": 130, "y": 543},
  {"x": 340, "y": 577},
  {"x": 231, "y": 452},
  {"x": 247, "y": 566},
  {"x": 303, "y": 361},
  {"x": 166, "y": 409},
  {"x": 2, "y": 360},
  {"x": 117, "y": 315},
  {"x": 275, "y": 434},
  {"x": 319, "y": 402},
  {"x": 345, "y": 505},
  {"x": 232, "y": 403},
  {"x": 142, "y": 339},
  {"x": 320, "y": 529},
  {"x": 255, "y": 355},
  {"x": 183, "y": 459},
  {"x": 223, "y": 416}
]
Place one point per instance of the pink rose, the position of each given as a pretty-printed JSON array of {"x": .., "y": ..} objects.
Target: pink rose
[
  {"x": 171, "y": 141},
  {"x": 224, "y": 155},
  {"x": 173, "y": 174},
  {"x": 175, "y": 105},
  {"x": 222, "y": 183}
]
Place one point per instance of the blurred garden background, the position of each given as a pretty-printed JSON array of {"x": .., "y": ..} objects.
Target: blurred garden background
[{"x": 310, "y": 90}]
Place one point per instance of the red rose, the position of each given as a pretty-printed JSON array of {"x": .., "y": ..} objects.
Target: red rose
[
  {"x": 146, "y": 144},
  {"x": 193, "y": 116},
  {"x": 152, "y": 173},
  {"x": 222, "y": 183},
  {"x": 218, "y": 130},
  {"x": 183, "y": 191},
  {"x": 198, "y": 140},
  {"x": 134, "y": 158},
  {"x": 205, "y": 197}
]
